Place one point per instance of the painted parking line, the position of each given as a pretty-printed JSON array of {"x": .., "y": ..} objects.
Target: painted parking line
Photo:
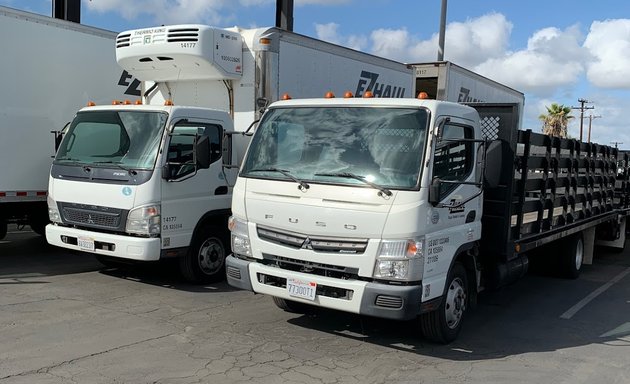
[{"x": 582, "y": 303}]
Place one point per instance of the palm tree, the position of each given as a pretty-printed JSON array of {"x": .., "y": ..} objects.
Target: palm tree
[{"x": 556, "y": 120}]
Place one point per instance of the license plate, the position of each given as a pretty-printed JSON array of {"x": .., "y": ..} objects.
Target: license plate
[
  {"x": 86, "y": 243},
  {"x": 301, "y": 289}
]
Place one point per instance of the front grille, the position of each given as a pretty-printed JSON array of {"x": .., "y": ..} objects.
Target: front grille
[
  {"x": 315, "y": 243},
  {"x": 320, "y": 269},
  {"x": 92, "y": 216}
]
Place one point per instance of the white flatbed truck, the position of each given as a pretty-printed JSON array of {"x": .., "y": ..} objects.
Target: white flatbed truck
[{"x": 407, "y": 208}]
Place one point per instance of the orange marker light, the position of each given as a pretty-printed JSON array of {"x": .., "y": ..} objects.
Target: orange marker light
[
  {"x": 115, "y": 102},
  {"x": 138, "y": 102},
  {"x": 423, "y": 95},
  {"x": 168, "y": 102},
  {"x": 329, "y": 95},
  {"x": 127, "y": 102},
  {"x": 368, "y": 94},
  {"x": 286, "y": 96},
  {"x": 265, "y": 41},
  {"x": 348, "y": 95},
  {"x": 91, "y": 104}
]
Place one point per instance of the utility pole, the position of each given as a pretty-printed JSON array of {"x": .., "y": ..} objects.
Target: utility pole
[
  {"x": 440, "y": 56},
  {"x": 590, "y": 122},
  {"x": 582, "y": 108},
  {"x": 616, "y": 143}
]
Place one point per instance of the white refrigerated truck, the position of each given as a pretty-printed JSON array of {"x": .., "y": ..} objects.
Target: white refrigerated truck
[
  {"x": 406, "y": 208},
  {"x": 146, "y": 182},
  {"x": 49, "y": 69}
]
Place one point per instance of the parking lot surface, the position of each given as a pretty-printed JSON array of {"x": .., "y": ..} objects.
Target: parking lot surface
[{"x": 64, "y": 318}]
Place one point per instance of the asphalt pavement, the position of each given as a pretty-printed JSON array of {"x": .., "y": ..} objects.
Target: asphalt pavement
[{"x": 66, "y": 319}]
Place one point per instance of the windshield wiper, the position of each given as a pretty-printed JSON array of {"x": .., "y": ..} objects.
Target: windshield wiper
[
  {"x": 132, "y": 172},
  {"x": 303, "y": 184},
  {"x": 350, "y": 175}
]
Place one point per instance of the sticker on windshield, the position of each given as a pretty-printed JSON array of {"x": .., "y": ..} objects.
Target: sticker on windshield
[{"x": 126, "y": 191}]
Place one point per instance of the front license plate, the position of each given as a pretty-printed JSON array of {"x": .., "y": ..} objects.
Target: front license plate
[
  {"x": 301, "y": 289},
  {"x": 86, "y": 243}
]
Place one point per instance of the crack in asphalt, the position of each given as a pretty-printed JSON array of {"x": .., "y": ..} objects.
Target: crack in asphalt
[{"x": 47, "y": 369}]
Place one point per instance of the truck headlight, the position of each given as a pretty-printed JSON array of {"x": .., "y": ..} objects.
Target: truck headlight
[
  {"x": 53, "y": 211},
  {"x": 400, "y": 260},
  {"x": 144, "y": 220},
  {"x": 240, "y": 237}
]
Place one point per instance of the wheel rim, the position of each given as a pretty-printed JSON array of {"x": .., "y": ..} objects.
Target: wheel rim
[
  {"x": 579, "y": 254},
  {"x": 455, "y": 303},
  {"x": 211, "y": 256}
]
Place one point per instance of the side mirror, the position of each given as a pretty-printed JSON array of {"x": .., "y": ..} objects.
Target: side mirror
[
  {"x": 227, "y": 150},
  {"x": 202, "y": 152},
  {"x": 493, "y": 164},
  {"x": 435, "y": 191}
]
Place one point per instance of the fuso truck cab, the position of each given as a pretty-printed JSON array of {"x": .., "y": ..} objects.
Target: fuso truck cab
[{"x": 406, "y": 208}]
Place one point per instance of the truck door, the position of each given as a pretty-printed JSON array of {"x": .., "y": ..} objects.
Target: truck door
[
  {"x": 189, "y": 192},
  {"x": 451, "y": 227}
]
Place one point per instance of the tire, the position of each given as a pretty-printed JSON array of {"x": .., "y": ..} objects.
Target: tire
[
  {"x": 3, "y": 229},
  {"x": 443, "y": 325},
  {"x": 39, "y": 228},
  {"x": 572, "y": 256},
  {"x": 205, "y": 261},
  {"x": 290, "y": 306}
]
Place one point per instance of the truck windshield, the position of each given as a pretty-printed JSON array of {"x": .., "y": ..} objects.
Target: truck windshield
[
  {"x": 128, "y": 139},
  {"x": 381, "y": 146}
]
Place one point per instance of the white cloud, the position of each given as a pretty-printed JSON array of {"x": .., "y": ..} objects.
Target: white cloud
[
  {"x": 329, "y": 32},
  {"x": 164, "y": 11},
  {"x": 609, "y": 42}
]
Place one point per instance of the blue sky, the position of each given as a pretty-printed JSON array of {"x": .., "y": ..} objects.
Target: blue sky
[{"x": 553, "y": 51}]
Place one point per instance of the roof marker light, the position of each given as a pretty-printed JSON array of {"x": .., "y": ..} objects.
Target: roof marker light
[
  {"x": 127, "y": 102},
  {"x": 115, "y": 102},
  {"x": 329, "y": 95},
  {"x": 368, "y": 94},
  {"x": 91, "y": 104},
  {"x": 168, "y": 102},
  {"x": 423, "y": 95},
  {"x": 138, "y": 102},
  {"x": 286, "y": 96},
  {"x": 348, "y": 95}
]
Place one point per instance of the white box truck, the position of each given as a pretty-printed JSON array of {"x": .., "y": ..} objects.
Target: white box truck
[
  {"x": 49, "y": 68},
  {"x": 444, "y": 80},
  {"x": 146, "y": 182},
  {"x": 406, "y": 208}
]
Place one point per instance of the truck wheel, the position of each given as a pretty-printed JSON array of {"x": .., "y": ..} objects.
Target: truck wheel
[
  {"x": 3, "y": 229},
  {"x": 572, "y": 256},
  {"x": 290, "y": 306},
  {"x": 443, "y": 325},
  {"x": 39, "y": 228},
  {"x": 205, "y": 261}
]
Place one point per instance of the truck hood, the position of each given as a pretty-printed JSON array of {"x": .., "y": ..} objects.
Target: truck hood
[
  {"x": 98, "y": 194},
  {"x": 320, "y": 210}
]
